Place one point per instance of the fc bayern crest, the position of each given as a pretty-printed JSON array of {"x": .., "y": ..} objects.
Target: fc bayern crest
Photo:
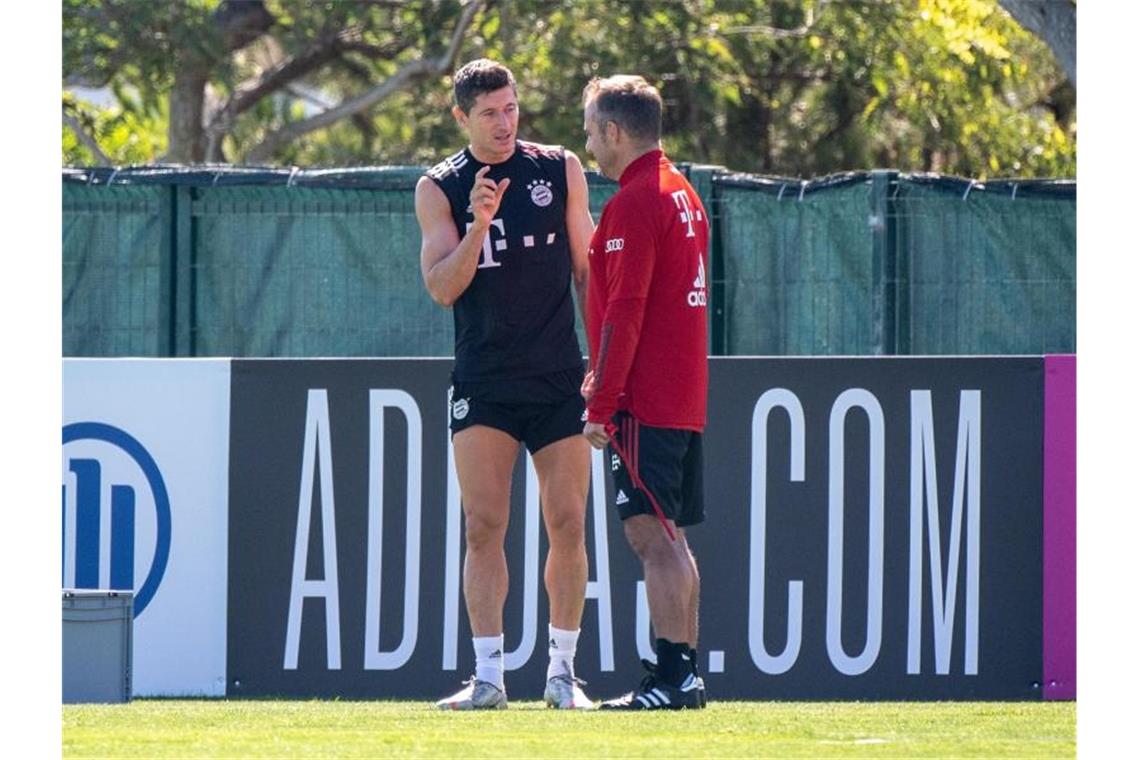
[{"x": 540, "y": 192}]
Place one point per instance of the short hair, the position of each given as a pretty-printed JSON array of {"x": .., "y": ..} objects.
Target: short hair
[
  {"x": 629, "y": 101},
  {"x": 479, "y": 77}
]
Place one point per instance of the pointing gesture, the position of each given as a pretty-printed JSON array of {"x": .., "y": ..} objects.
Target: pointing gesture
[{"x": 486, "y": 195}]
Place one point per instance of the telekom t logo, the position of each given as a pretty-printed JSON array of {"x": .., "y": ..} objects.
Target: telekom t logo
[
  {"x": 488, "y": 258},
  {"x": 681, "y": 201}
]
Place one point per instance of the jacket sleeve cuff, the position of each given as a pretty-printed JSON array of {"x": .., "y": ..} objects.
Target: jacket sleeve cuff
[{"x": 599, "y": 416}]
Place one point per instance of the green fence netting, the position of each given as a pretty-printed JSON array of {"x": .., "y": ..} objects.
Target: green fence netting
[
  {"x": 224, "y": 261},
  {"x": 310, "y": 272},
  {"x": 985, "y": 271},
  {"x": 116, "y": 271},
  {"x": 797, "y": 268}
]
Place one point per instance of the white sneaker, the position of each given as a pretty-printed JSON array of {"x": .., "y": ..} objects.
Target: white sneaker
[
  {"x": 565, "y": 693},
  {"x": 475, "y": 695}
]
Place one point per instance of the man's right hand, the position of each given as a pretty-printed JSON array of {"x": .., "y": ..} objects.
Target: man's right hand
[
  {"x": 596, "y": 434},
  {"x": 485, "y": 197}
]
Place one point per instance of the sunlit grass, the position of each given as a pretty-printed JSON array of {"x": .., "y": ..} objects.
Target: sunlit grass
[{"x": 248, "y": 728}]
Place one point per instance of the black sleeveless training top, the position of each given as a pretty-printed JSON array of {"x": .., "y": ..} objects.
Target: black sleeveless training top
[{"x": 516, "y": 318}]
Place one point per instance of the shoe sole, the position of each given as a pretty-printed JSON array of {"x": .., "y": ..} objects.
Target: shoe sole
[
  {"x": 671, "y": 706},
  {"x": 553, "y": 706},
  {"x": 499, "y": 706},
  {"x": 650, "y": 709}
]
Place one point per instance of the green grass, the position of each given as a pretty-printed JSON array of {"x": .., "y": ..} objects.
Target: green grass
[{"x": 249, "y": 728}]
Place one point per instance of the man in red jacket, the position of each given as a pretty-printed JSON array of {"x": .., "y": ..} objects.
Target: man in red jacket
[{"x": 647, "y": 389}]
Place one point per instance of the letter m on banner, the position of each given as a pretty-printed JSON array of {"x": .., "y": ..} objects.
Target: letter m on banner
[{"x": 967, "y": 487}]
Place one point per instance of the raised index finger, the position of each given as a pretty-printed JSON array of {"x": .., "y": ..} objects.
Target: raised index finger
[{"x": 482, "y": 180}]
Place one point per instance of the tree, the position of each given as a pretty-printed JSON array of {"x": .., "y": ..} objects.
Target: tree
[
  {"x": 809, "y": 87},
  {"x": 217, "y": 60},
  {"x": 790, "y": 87}
]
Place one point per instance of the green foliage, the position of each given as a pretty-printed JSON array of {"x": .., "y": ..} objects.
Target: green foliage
[
  {"x": 787, "y": 87},
  {"x": 127, "y": 134},
  {"x": 228, "y": 728}
]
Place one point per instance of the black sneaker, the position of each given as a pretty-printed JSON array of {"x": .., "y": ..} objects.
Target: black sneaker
[
  {"x": 655, "y": 694},
  {"x": 692, "y": 658}
]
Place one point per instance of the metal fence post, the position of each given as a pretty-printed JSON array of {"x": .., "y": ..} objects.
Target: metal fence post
[
  {"x": 167, "y": 261},
  {"x": 182, "y": 307},
  {"x": 718, "y": 308},
  {"x": 703, "y": 179},
  {"x": 884, "y": 271}
]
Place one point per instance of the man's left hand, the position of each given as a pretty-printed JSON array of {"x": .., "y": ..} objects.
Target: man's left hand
[
  {"x": 595, "y": 433},
  {"x": 589, "y": 385}
]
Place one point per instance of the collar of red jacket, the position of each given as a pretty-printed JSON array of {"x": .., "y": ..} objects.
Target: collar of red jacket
[{"x": 644, "y": 162}]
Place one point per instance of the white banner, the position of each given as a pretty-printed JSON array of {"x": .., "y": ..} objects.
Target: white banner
[{"x": 145, "y": 475}]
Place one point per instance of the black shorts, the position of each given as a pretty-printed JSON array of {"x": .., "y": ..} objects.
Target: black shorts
[
  {"x": 536, "y": 410},
  {"x": 668, "y": 461}
]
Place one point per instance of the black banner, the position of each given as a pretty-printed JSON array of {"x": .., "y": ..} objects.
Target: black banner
[{"x": 874, "y": 532}]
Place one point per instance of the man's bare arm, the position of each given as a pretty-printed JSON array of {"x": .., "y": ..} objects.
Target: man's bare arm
[
  {"x": 447, "y": 262},
  {"x": 579, "y": 226}
]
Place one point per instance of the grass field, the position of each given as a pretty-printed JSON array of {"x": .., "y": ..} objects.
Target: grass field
[{"x": 248, "y": 728}]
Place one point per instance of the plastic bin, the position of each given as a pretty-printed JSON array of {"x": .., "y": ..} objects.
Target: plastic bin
[{"x": 97, "y": 645}]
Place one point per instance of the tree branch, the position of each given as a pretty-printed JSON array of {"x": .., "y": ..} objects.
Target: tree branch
[
  {"x": 408, "y": 74},
  {"x": 772, "y": 31},
  {"x": 242, "y": 22},
  {"x": 373, "y": 51},
  {"x": 86, "y": 138},
  {"x": 250, "y": 92},
  {"x": 247, "y": 94}
]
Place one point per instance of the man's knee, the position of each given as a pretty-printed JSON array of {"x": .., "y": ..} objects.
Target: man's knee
[
  {"x": 649, "y": 540},
  {"x": 485, "y": 528},
  {"x": 563, "y": 471},
  {"x": 565, "y": 520},
  {"x": 687, "y": 552}
]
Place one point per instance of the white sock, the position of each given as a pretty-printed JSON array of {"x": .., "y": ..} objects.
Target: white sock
[
  {"x": 563, "y": 644},
  {"x": 489, "y": 659}
]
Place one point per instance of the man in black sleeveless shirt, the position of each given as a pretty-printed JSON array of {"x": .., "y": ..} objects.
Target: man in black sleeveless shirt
[{"x": 506, "y": 228}]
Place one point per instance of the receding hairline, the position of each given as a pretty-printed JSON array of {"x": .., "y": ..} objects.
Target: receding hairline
[
  {"x": 614, "y": 89},
  {"x": 616, "y": 83}
]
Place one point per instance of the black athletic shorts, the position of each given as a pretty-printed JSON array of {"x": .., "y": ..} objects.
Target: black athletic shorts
[
  {"x": 668, "y": 462},
  {"x": 535, "y": 410}
]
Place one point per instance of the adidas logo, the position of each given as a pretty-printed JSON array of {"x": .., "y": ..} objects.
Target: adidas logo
[
  {"x": 457, "y": 161},
  {"x": 699, "y": 297},
  {"x": 553, "y": 644},
  {"x": 654, "y": 698},
  {"x": 621, "y": 497},
  {"x": 450, "y": 165},
  {"x": 497, "y": 654}
]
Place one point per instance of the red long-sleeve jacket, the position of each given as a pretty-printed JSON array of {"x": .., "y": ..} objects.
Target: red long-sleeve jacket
[{"x": 646, "y": 306}]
